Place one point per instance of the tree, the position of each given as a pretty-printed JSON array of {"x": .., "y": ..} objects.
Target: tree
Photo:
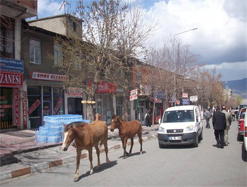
[{"x": 112, "y": 33}]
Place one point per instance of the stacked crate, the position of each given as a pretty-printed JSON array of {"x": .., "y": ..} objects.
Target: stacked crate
[{"x": 52, "y": 130}]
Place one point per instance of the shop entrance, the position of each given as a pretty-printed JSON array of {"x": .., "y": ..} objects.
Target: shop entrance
[
  {"x": 5, "y": 108},
  {"x": 75, "y": 106}
]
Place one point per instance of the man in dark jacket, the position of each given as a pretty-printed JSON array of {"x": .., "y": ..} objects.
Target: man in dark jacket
[{"x": 219, "y": 124}]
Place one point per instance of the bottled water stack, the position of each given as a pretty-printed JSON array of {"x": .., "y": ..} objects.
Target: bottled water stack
[{"x": 52, "y": 130}]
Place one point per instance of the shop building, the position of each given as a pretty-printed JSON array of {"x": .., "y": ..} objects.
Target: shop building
[{"x": 12, "y": 66}]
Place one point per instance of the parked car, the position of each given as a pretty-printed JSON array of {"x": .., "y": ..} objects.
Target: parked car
[
  {"x": 180, "y": 125},
  {"x": 245, "y": 134},
  {"x": 241, "y": 124}
]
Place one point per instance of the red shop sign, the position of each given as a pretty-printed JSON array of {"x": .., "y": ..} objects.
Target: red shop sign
[
  {"x": 17, "y": 111},
  {"x": 8, "y": 79},
  {"x": 104, "y": 87},
  {"x": 25, "y": 112}
]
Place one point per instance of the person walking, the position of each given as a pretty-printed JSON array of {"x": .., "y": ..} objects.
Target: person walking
[
  {"x": 228, "y": 124},
  {"x": 207, "y": 116},
  {"x": 219, "y": 125},
  {"x": 147, "y": 119}
]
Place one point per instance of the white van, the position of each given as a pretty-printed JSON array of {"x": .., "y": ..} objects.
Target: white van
[{"x": 180, "y": 125}]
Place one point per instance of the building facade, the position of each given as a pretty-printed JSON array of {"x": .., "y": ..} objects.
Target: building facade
[{"x": 12, "y": 66}]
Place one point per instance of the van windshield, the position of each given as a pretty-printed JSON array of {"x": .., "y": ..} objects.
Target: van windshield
[{"x": 178, "y": 116}]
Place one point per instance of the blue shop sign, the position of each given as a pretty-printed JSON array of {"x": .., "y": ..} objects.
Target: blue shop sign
[
  {"x": 185, "y": 101},
  {"x": 11, "y": 65},
  {"x": 160, "y": 95}
]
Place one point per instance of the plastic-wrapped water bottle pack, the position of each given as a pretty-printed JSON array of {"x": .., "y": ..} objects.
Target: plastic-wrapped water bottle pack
[{"x": 52, "y": 131}]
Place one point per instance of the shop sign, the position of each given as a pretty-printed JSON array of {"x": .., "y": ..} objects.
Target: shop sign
[
  {"x": 104, "y": 87},
  {"x": 11, "y": 65},
  {"x": 133, "y": 94},
  {"x": 193, "y": 98},
  {"x": 9, "y": 79},
  {"x": 185, "y": 101},
  {"x": 157, "y": 100},
  {"x": 16, "y": 103},
  {"x": 48, "y": 76},
  {"x": 59, "y": 103},
  {"x": 161, "y": 95},
  {"x": 184, "y": 95},
  {"x": 24, "y": 103},
  {"x": 74, "y": 92},
  {"x": 34, "y": 106}
]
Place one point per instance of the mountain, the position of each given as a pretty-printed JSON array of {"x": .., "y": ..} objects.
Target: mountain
[{"x": 238, "y": 87}]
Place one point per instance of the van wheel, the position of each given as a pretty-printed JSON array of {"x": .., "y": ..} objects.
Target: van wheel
[
  {"x": 239, "y": 137},
  {"x": 196, "y": 141},
  {"x": 201, "y": 136}
]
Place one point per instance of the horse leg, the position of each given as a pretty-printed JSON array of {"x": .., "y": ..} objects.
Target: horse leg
[
  {"x": 97, "y": 151},
  {"x": 124, "y": 147},
  {"x": 132, "y": 143},
  {"x": 106, "y": 151},
  {"x": 78, "y": 158},
  {"x": 90, "y": 151},
  {"x": 140, "y": 140}
]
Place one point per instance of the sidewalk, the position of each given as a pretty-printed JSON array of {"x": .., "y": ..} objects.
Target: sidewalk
[{"x": 20, "y": 154}]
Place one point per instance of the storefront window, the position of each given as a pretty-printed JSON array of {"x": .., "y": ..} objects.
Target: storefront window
[
  {"x": 5, "y": 108},
  {"x": 119, "y": 103},
  {"x": 47, "y": 110},
  {"x": 58, "y": 104},
  {"x": 107, "y": 108}
]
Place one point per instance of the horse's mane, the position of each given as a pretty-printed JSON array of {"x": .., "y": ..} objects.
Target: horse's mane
[
  {"x": 116, "y": 116},
  {"x": 75, "y": 124}
]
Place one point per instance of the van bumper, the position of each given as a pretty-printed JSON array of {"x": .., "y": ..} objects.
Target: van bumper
[{"x": 177, "y": 139}]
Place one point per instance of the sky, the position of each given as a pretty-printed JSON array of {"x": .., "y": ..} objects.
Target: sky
[{"x": 220, "y": 39}]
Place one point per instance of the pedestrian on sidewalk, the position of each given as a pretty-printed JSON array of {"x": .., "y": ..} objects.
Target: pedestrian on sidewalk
[
  {"x": 228, "y": 124},
  {"x": 207, "y": 116},
  {"x": 219, "y": 124},
  {"x": 147, "y": 119}
]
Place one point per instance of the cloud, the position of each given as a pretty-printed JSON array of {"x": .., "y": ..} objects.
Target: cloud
[
  {"x": 49, "y": 8},
  {"x": 230, "y": 71},
  {"x": 221, "y": 34},
  {"x": 220, "y": 39}
]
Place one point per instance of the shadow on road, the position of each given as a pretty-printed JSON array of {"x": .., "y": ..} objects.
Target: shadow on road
[{"x": 103, "y": 167}]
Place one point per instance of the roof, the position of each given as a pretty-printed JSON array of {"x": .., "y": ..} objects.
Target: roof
[
  {"x": 186, "y": 107},
  {"x": 52, "y": 17}
]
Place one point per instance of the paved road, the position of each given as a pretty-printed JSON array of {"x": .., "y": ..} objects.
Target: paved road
[{"x": 172, "y": 166}]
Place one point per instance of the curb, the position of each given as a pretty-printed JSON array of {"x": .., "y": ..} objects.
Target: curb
[{"x": 46, "y": 165}]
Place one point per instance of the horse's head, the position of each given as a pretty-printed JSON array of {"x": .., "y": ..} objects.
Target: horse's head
[
  {"x": 114, "y": 122},
  {"x": 68, "y": 137}
]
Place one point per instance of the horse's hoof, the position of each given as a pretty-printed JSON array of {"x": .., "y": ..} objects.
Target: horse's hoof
[
  {"x": 76, "y": 179},
  {"x": 140, "y": 152},
  {"x": 91, "y": 172}
]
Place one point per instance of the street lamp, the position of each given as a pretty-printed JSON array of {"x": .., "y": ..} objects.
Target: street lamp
[{"x": 175, "y": 68}]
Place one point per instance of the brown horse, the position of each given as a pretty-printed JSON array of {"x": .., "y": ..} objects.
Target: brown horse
[
  {"x": 86, "y": 137},
  {"x": 127, "y": 130}
]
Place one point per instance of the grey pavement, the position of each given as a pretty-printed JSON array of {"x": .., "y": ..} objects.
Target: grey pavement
[{"x": 21, "y": 155}]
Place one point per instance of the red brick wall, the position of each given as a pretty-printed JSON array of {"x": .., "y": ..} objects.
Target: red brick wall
[{"x": 28, "y": 3}]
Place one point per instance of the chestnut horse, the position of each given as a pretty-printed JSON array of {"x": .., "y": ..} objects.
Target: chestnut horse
[
  {"x": 86, "y": 137},
  {"x": 127, "y": 130}
]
